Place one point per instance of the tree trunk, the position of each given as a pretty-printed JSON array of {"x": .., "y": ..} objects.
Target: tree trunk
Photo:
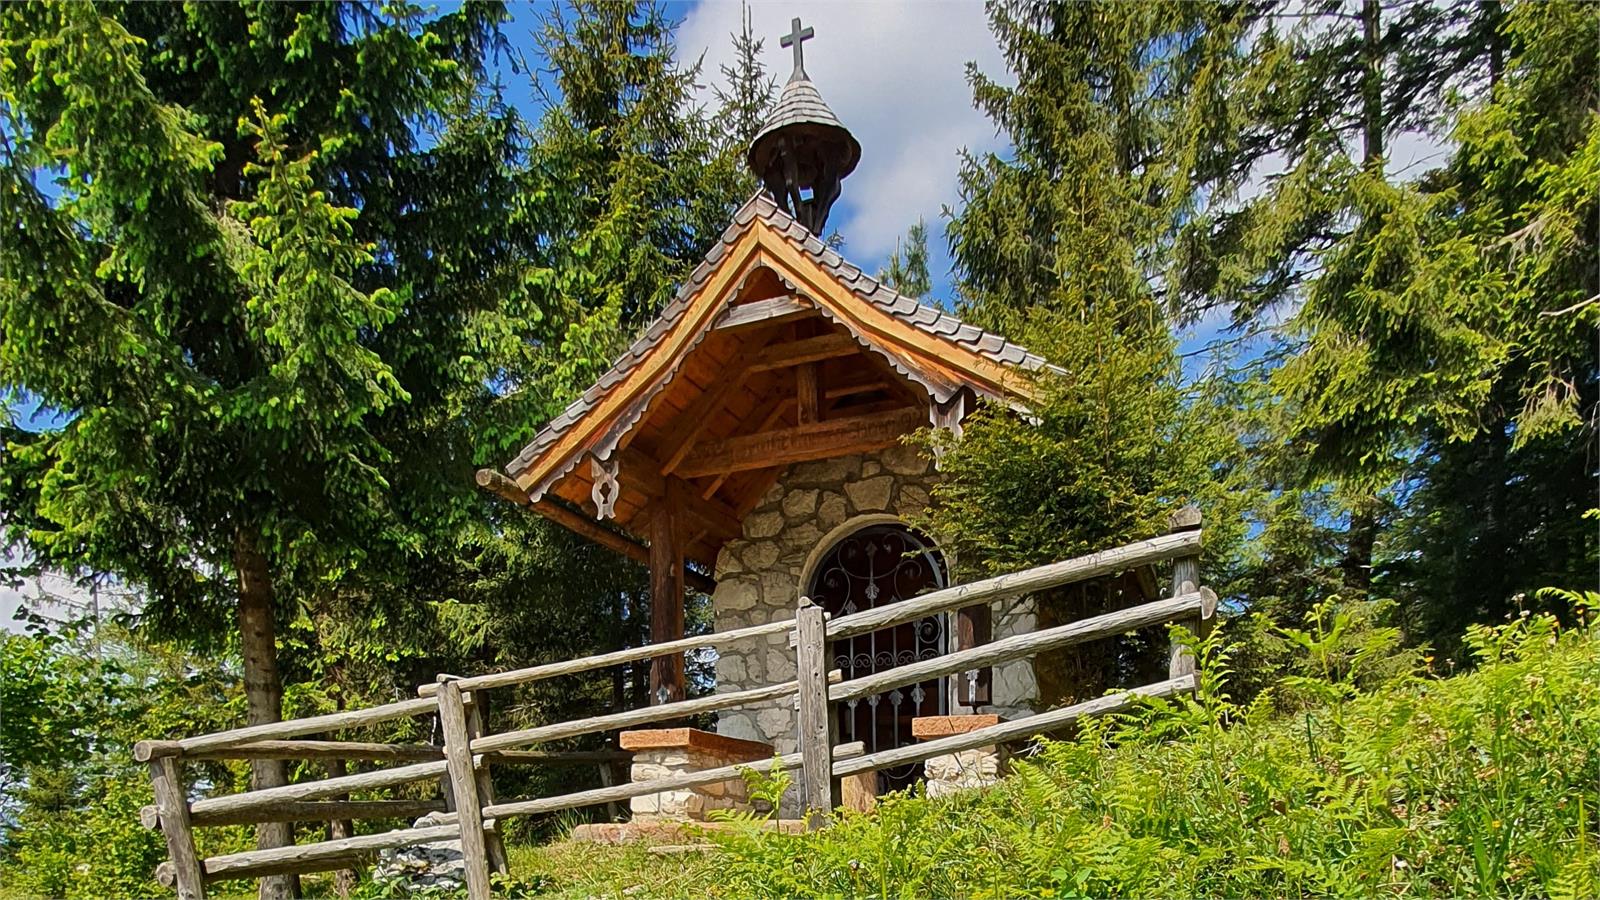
[
  {"x": 1359, "y": 542},
  {"x": 1372, "y": 83},
  {"x": 263, "y": 691}
]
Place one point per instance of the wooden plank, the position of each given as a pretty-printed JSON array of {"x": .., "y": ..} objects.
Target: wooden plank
[
  {"x": 321, "y": 856},
  {"x": 614, "y": 658},
  {"x": 1022, "y": 646},
  {"x": 644, "y": 788},
  {"x": 816, "y": 733},
  {"x": 353, "y": 718},
  {"x": 821, "y": 440},
  {"x": 321, "y": 811},
  {"x": 805, "y": 350},
  {"x": 806, "y": 390},
  {"x": 632, "y": 717},
  {"x": 765, "y": 312},
  {"x": 172, "y": 804},
  {"x": 323, "y": 750},
  {"x": 1014, "y": 730},
  {"x": 577, "y": 522},
  {"x": 1093, "y": 565},
  {"x": 316, "y": 790},
  {"x": 666, "y": 597},
  {"x": 464, "y": 782},
  {"x": 556, "y": 757}
]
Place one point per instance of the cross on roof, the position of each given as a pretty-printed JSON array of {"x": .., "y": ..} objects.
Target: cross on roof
[{"x": 794, "y": 38}]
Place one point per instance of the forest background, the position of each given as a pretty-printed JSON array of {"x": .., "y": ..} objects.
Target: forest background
[{"x": 275, "y": 280}]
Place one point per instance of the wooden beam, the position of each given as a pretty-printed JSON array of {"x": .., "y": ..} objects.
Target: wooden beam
[
  {"x": 856, "y": 387},
  {"x": 819, "y": 440},
  {"x": 806, "y": 389},
  {"x": 688, "y": 427},
  {"x": 643, "y": 471},
  {"x": 575, "y": 521},
  {"x": 666, "y": 596},
  {"x": 814, "y": 349},
  {"x": 765, "y": 312}
]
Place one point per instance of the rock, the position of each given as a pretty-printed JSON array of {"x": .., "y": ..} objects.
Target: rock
[
  {"x": 903, "y": 460},
  {"x": 728, "y": 562},
  {"x": 759, "y": 556},
  {"x": 763, "y": 524},
  {"x": 912, "y": 499},
  {"x": 823, "y": 471},
  {"x": 799, "y": 503},
  {"x": 870, "y": 494},
  {"x": 775, "y": 725},
  {"x": 434, "y": 868},
  {"x": 730, "y": 669},
  {"x": 735, "y": 594},
  {"x": 871, "y": 467},
  {"x": 832, "y": 512}
]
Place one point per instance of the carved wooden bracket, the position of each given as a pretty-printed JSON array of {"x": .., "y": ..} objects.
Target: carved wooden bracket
[
  {"x": 948, "y": 416},
  {"x": 605, "y": 490}
]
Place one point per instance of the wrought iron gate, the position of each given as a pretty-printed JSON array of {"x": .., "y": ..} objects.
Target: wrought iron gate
[{"x": 877, "y": 565}]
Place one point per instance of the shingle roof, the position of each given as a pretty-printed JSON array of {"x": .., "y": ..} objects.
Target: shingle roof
[{"x": 926, "y": 318}]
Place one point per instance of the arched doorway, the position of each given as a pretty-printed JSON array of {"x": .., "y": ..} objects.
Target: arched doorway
[{"x": 877, "y": 565}]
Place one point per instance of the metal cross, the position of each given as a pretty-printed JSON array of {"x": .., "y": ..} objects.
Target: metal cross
[{"x": 794, "y": 38}]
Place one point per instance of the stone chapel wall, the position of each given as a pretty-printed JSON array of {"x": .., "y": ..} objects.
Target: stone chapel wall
[{"x": 758, "y": 576}]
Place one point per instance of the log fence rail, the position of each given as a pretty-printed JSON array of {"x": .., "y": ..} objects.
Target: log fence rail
[{"x": 469, "y": 812}]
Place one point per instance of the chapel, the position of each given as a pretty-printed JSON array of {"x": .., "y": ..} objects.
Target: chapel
[{"x": 750, "y": 445}]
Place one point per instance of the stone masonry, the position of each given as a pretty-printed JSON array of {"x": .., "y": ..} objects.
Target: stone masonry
[
  {"x": 809, "y": 508},
  {"x": 665, "y": 752}
]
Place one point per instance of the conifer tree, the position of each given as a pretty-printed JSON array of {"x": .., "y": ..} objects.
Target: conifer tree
[
  {"x": 907, "y": 269},
  {"x": 217, "y": 297}
]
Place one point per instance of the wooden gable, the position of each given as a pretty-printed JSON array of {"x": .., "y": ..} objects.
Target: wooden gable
[{"x": 776, "y": 351}]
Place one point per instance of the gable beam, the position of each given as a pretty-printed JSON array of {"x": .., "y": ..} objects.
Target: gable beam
[
  {"x": 818, "y": 440},
  {"x": 807, "y": 350},
  {"x": 765, "y": 312}
]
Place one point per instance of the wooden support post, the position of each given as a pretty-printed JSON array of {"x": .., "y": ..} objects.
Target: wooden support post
[
  {"x": 816, "y": 732},
  {"x": 1185, "y": 580},
  {"x": 666, "y": 595},
  {"x": 464, "y": 784},
  {"x": 498, "y": 860},
  {"x": 805, "y": 379},
  {"x": 172, "y": 805}
]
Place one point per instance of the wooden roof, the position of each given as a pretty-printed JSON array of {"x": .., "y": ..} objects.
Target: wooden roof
[{"x": 776, "y": 350}]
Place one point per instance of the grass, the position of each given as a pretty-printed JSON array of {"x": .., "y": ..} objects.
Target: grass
[{"x": 1359, "y": 775}]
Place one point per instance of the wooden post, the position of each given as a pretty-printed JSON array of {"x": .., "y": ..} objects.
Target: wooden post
[
  {"x": 816, "y": 732},
  {"x": 806, "y": 387},
  {"x": 464, "y": 784},
  {"x": 498, "y": 860},
  {"x": 344, "y": 880},
  {"x": 666, "y": 595},
  {"x": 172, "y": 804},
  {"x": 1185, "y": 580}
]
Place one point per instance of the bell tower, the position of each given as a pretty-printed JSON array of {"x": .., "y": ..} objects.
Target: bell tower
[{"x": 803, "y": 151}]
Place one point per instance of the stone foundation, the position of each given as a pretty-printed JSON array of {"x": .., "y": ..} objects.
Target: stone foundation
[
  {"x": 665, "y": 752},
  {"x": 965, "y": 769}
]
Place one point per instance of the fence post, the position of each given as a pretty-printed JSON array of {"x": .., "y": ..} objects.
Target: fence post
[
  {"x": 464, "y": 785},
  {"x": 172, "y": 804},
  {"x": 816, "y": 733},
  {"x": 496, "y": 847},
  {"x": 1185, "y": 579}
]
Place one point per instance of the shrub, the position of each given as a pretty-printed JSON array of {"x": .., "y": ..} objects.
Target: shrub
[{"x": 1381, "y": 780}]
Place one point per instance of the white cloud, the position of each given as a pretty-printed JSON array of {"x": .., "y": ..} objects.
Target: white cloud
[{"x": 894, "y": 73}]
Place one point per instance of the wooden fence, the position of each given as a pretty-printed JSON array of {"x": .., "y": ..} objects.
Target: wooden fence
[{"x": 470, "y": 812}]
